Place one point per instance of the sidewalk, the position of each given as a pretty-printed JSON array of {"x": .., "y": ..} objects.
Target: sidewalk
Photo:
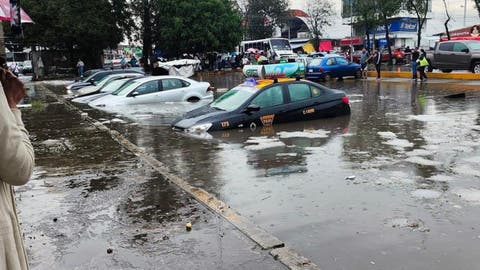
[{"x": 92, "y": 204}]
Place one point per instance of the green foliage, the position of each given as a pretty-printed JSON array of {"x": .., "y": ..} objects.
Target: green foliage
[
  {"x": 184, "y": 26},
  {"x": 88, "y": 25},
  {"x": 263, "y": 15}
]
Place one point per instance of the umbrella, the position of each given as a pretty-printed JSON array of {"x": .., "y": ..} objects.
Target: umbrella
[
  {"x": 5, "y": 12},
  {"x": 252, "y": 50}
]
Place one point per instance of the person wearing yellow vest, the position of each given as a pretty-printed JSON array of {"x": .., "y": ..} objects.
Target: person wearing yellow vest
[{"x": 422, "y": 64}]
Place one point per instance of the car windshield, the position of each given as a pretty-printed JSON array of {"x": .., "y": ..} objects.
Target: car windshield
[
  {"x": 280, "y": 44},
  {"x": 124, "y": 87},
  {"x": 113, "y": 85},
  {"x": 475, "y": 46},
  {"x": 232, "y": 99},
  {"x": 315, "y": 62}
]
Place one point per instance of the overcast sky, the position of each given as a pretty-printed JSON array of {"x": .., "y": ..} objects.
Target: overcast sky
[{"x": 455, "y": 8}]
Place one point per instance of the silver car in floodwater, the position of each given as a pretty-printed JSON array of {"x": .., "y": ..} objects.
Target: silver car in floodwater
[{"x": 157, "y": 89}]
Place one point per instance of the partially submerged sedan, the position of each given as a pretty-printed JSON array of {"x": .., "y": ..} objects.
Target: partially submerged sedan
[
  {"x": 264, "y": 103},
  {"x": 156, "y": 89},
  {"x": 331, "y": 66}
]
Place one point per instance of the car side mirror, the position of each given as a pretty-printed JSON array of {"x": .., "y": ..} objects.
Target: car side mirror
[
  {"x": 252, "y": 108},
  {"x": 466, "y": 50},
  {"x": 91, "y": 81},
  {"x": 134, "y": 94}
]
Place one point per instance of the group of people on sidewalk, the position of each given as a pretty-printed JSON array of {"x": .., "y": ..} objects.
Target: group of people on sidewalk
[{"x": 418, "y": 64}]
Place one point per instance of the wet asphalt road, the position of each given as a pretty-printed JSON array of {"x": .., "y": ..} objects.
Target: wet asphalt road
[
  {"x": 393, "y": 186},
  {"x": 93, "y": 205}
]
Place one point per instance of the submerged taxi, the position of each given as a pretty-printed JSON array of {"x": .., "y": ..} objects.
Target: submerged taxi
[{"x": 266, "y": 102}]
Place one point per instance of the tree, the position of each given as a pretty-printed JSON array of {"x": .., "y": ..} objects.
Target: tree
[
  {"x": 366, "y": 15},
  {"x": 477, "y": 5},
  {"x": 386, "y": 10},
  {"x": 319, "y": 16},
  {"x": 76, "y": 25},
  {"x": 447, "y": 20},
  {"x": 184, "y": 26},
  {"x": 420, "y": 8},
  {"x": 261, "y": 17}
]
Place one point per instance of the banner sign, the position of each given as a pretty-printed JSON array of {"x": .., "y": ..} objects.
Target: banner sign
[{"x": 399, "y": 25}]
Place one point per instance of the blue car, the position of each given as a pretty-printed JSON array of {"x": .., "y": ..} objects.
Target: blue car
[{"x": 331, "y": 66}]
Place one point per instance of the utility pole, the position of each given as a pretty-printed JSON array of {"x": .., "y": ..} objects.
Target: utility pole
[
  {"x": 465, "y": 14},
  {"x": 351, "y": 30}
]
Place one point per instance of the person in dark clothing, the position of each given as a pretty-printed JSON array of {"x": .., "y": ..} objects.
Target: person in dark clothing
[
  {"x": 377, "y": 61},
  {"x": 413, "y": 64}
]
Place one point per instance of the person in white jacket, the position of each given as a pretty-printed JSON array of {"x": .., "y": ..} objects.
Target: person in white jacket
[{"x": 16, "y": 166}]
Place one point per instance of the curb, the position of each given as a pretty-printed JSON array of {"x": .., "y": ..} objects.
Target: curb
[
  {"x": 430, "y": 75},
  {"x": 287, "y": 256}
]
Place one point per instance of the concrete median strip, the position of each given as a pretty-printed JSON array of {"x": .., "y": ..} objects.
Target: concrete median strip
[
  {"x": 430, "y": 75},
  {"x": 265, "y": 240}
]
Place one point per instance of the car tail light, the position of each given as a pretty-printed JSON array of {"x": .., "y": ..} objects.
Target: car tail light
[
  {"x": 210, "y": 88},
  {"x": 320, "y": 69},
  {"x": 345, "y": 100}
]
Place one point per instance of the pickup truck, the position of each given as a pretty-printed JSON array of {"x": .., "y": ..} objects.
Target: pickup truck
[{"x": 455, "y": 55}]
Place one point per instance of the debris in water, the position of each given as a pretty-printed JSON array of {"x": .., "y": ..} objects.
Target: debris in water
[
  {"x": 351, "y": 177},
  {"x": 188, "y": 226},
  {"x": 83, "y": 115},
  {"x": 459, "y": 95},
  {"x": 109, "y": 250}
]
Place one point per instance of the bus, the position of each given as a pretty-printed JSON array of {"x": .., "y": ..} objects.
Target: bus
[{"x": 276, "y": 49}]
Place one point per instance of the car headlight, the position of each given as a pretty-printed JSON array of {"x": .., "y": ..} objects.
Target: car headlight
[{"x": 199, "y": 128}]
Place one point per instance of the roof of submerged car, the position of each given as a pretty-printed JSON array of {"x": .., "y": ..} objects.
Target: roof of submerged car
[
  {"x": 151, "y": 78},
  {"x": 259, "y": 84}
]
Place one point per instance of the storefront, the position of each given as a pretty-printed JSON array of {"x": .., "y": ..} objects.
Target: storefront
[{"x": 402, "y": 33}]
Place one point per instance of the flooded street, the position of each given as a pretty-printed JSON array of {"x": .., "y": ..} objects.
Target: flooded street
[{"x": 396, "y": 185}]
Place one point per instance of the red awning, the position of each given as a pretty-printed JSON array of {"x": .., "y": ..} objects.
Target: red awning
[
  {"x": 325, "y": 46},
  {"x": 5, "y": 12},
  {"x": 351, "y": 41}
]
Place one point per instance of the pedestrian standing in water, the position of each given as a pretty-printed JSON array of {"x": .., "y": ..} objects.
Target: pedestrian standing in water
[
  {"x": 422, "y": 65},
  {"x": 80, "y": 66},
  {"x": 377, "y": 61},
  {"x": 413, "y": 63},
  {"x": 16, "y": 166},
  {"x": 364, "y": 63}
]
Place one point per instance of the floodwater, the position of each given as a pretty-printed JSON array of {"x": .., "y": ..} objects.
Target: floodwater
[
  {"x": 93, "y": 205},
  {"x": 396, "y": 185}
]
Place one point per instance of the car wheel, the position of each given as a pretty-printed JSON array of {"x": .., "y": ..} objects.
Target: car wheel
[
  {"x": 327, "y": 77},
  {"x": 193, "y": 99},
  {"x": 476, "y": 67},
  {"x": 446, "y": 70},
  {"x": 358, "y": 74}
]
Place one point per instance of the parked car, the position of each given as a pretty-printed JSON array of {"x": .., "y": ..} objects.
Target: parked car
[
  {"x": 27, "y": 67},
  {"x": 156, "y": 89},
  {"x": 398, "y": 56},
  {"x": 455, "y": 55},
  {"x": 95, "y": 87},
  {"x": 331, "y": 66},
  {"x": 100, "y": 74},
  {"x": 265, "y": 103},
  {"x": 107, "y": 89}
]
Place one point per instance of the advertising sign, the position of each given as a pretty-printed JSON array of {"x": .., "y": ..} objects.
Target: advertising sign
[{"x": 399, "y": 25}]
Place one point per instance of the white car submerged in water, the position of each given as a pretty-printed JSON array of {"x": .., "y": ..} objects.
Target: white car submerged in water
[{"x": 156, "y": 89}]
